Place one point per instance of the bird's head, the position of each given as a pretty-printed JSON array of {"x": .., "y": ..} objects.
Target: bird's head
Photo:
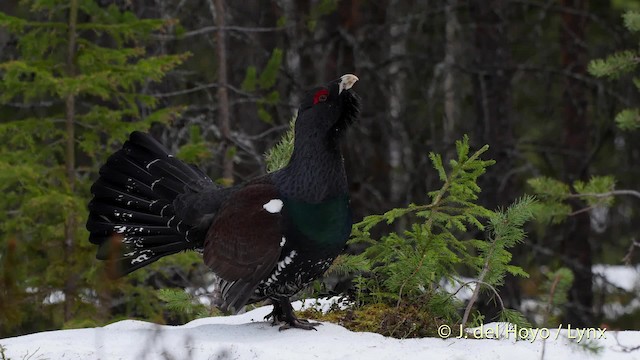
[{"x": 327, "y": 110}]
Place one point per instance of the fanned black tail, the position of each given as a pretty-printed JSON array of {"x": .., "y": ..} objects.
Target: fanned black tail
[{"x": 132, "y": 216}]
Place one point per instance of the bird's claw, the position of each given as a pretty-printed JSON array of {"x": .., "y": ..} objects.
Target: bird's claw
[{"x": 300, "y": 324}]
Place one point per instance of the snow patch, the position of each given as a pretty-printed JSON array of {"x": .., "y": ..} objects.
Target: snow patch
[
  {"x": 248, "y": 336},
  {"x": 624, "y": 277}
]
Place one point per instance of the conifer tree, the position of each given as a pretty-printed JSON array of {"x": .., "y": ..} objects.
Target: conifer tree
[
  {"x": 599, "y": 191},
  {"x": 72, "y": 93},
  {"x": 556, "y": 197},
  {"x": 619, "y": 64}
]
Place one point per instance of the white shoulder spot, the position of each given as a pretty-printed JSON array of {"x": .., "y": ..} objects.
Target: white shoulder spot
[
  {"x": 283, "y": 241},
  {"x": 273, "y": 206}
]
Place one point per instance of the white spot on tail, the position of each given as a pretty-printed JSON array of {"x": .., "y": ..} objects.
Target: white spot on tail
[
  {"x": 283, "y": 241},
  {"x": 162, "y": 211},
  {"x": 273, "y": 206},
  {"x": 139, "y": 259},
  {"x": 151, "y": 163}
]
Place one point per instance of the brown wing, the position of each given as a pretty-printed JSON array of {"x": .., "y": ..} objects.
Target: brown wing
[{"x": 242, "y": 245}]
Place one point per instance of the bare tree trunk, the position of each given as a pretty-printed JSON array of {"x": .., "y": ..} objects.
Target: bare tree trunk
[
  {"x": 70, "y": 167},
  {"x": 399, "y": 144},
  {"x": 223, "y": 94},
  {"x": 294, "y": 35},
  {"x": 450, "y": 83},
  {"x": 576, "y": 141}
]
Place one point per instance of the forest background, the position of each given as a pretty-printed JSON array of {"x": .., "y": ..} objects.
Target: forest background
[{"x": 218, "y": 81}]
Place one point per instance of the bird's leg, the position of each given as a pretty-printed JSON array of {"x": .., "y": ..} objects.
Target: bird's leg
[
  {"x": 290, "y": 319},
  {"x": 276, "y": 314}
]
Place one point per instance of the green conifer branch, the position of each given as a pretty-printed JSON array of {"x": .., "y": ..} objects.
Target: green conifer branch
[
  {"x": 278, "y": 156},
  {"x": 506, "y": 228}
]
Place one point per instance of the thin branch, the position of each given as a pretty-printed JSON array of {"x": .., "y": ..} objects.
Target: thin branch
[
  {"x": 33, "y": 105},
  {"x": 476, "y": 291},
  {"x": 267, "y": 132},
  {"x": 627, "y": 258},
  {"x": 200, "y": 88},
  {"x": 608, "y": 194},
  {"x": 552, "y": 293},
  {"x": 625, "y": 348},
  {"x": 210, "y": 29},
  {"x": 583, "y": 210},
  {"x": 479, "y": 282}
]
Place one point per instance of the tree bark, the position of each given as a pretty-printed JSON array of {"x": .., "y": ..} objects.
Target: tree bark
[
  {"x": 223, "y": 94},
  {"x": 294, "y": 37},
  {"x": 575, "y": 244},
  {"x": 70, "y": 167},
  {"x": 399, "y": 140},
  {"x": 451, "y": 78}
]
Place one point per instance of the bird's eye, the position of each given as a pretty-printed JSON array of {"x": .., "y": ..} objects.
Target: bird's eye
[{"x": 320, "y": 96}]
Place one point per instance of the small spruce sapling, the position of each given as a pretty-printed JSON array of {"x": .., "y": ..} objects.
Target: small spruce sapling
[{"x": 408, "y": 268}]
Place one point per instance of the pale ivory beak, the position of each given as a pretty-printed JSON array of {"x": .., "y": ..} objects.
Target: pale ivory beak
[{"x": 347, "y": 81}]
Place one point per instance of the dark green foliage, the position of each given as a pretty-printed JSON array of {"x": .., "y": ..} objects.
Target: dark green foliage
[
  {"x": 322, "y": 8},
  {"x": 614, "y": 65},
  {"x": 268, "y": 76},
  {"x": 278, "y": 156},
  {"x": 506, "y": 228},
  {"x": 182, "y": 304},
  {"x": 556, "y": 288},
  {"x": 196, "y": 150},
  {"x": 554, "y": 196},
  {"x": 103, "y": 80},
  {"x": 632, "y": 21},
  {"x": 414, "y": 261},
  {"x": 619, "y": 64},
  {"x": 514, "y": 317},
  {"x": 264, "y": 84}
]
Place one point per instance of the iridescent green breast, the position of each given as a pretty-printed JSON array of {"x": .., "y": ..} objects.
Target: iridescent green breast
[{"x": 326, "y": 224}]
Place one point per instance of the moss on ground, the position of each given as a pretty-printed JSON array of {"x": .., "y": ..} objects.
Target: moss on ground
[{"x": 404, "y": 321}]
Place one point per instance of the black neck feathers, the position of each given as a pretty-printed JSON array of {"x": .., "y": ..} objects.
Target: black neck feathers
[{"x": 315, "y": 172}]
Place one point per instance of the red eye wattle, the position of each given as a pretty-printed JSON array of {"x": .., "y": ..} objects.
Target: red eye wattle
[{"x": 320, "y": 96}]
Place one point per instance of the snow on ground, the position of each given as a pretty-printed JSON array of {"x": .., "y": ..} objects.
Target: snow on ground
[
  {"x": 248, "y": 336},
  {"x": 612, "y": 278},
  {"x": 624, "y": 277}
]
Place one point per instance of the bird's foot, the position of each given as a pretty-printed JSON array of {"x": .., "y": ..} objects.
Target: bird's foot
[
  {"x": 276, "y": 315},
  {"x": 283, "y": 313},
  {"x": 300, "y": 324}
]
